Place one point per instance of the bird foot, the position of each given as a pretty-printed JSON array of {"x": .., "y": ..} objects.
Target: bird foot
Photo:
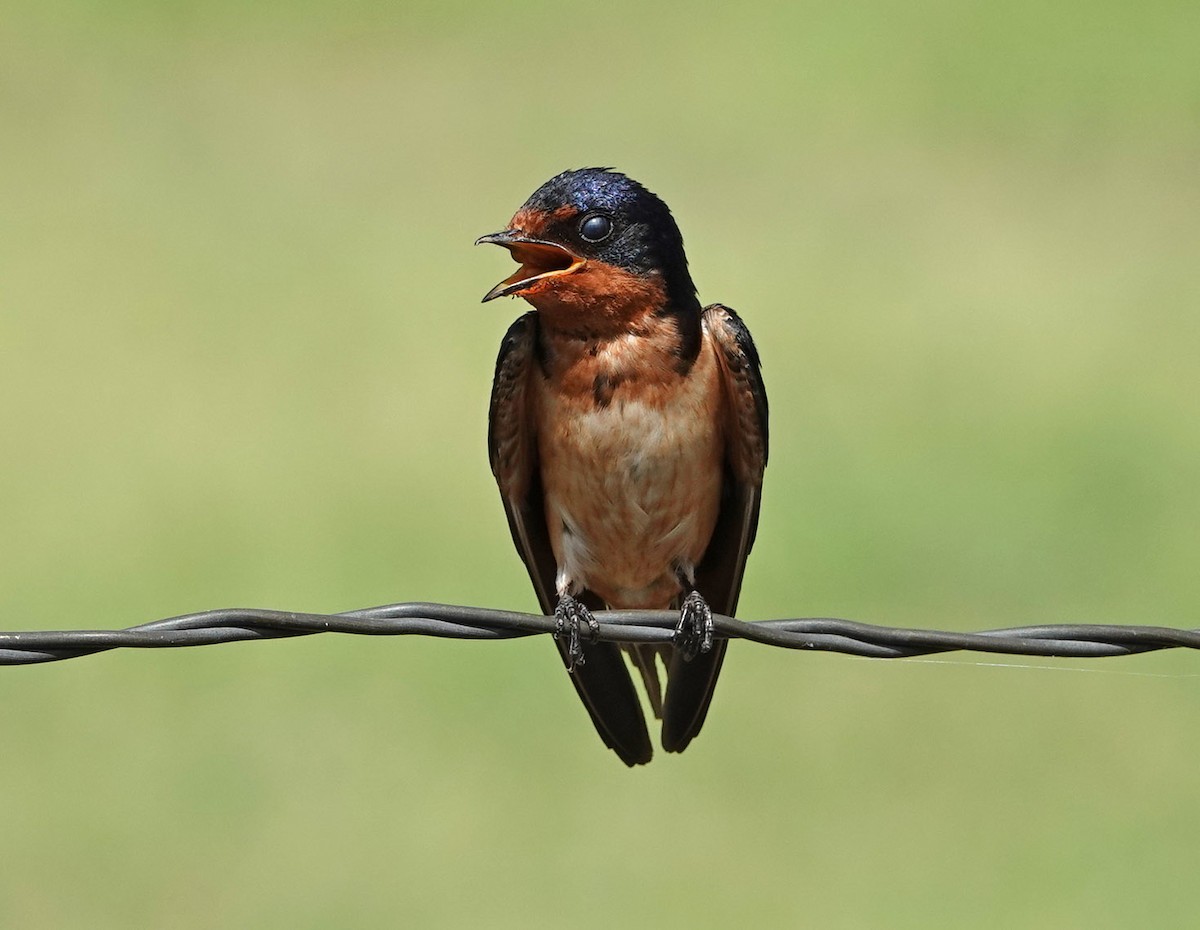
[
  {"x": 694, "y": 632},
  {"x": 570, "y": 615}
]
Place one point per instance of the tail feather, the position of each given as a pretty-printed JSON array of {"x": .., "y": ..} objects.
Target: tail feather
[
  {"x": 645, "y": 658},
  {"x": 690, "y": 687}
]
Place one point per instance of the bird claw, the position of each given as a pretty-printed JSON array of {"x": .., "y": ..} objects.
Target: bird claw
[
  {"x": 570, "y": 615},
  {"x": 694, "y": 631}
]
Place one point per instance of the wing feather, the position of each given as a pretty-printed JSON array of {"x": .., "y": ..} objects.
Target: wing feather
[
  {"x": 719, "y": 575},
  {"x": 602, "y": 679}
]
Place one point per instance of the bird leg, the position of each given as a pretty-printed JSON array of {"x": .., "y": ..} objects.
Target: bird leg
[
  {"x": 694, "y": 632},
  {"x": 570, "y": 615}
]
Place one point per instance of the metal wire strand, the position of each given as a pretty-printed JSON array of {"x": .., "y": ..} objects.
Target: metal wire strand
[{"x": 824, "y": 634}]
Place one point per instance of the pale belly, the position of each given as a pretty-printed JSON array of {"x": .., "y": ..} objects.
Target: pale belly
[{"x": 632, "y": 490}]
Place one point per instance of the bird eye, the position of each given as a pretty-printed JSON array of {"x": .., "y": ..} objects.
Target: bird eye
[{"x": 595, "y": 227}]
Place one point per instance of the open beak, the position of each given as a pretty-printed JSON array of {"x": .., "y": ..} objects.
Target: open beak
[{"x": 539, "y": 260}]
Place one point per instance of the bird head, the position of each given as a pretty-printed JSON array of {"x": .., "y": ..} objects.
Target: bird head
[{"x": 592, "y": 241}]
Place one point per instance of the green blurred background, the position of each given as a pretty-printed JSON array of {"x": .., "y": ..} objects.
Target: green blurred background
[{"x": 243, "y": 362}]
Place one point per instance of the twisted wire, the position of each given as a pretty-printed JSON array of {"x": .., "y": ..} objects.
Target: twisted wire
[{"x": 822, "y": 634}]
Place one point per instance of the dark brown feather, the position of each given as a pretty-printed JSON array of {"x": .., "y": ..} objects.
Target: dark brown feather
[
  {"x": 602, "y": 679},
  {"x": 690, "y": 685}
]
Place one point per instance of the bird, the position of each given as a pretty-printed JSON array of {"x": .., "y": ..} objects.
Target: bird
[{"x": 627, "y": 433}]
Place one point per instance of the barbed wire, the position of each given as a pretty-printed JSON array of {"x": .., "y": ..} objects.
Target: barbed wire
[{"x": 822, "y": 634}]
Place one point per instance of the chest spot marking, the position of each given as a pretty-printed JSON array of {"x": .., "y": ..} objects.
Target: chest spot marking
[{"x": 604, "y": 386}]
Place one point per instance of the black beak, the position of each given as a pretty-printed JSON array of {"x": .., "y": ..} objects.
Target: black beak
[
  {"x": 539, "y": 260},
  {"x": 505, "y": 237}
]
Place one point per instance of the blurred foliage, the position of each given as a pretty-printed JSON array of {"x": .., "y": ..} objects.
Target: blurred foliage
[{"x": 243, "y": 362}]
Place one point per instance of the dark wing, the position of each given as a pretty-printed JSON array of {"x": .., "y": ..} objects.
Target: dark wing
[
  {"x": 602, "y": 678},
  {"x": 719, "y": 575}
]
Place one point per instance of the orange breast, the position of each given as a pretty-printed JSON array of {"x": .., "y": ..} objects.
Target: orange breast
[{"x": 631, "y": 459}]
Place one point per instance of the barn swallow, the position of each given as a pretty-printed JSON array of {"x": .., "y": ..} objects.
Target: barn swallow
[{"x": 628, "y": 436}]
